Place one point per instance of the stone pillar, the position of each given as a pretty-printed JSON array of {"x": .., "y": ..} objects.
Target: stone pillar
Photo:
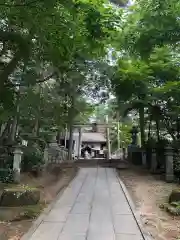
[
  {"x": 46, "y": 156},
  {"x": 144, "y": 158},
  {"x": 126, "y": 153},
  {"x": 153, "y": 161},
  {"x": 169, "y": 164},
  {"x": 17, "y": 164}
]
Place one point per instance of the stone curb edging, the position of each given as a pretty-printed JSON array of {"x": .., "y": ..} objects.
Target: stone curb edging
[
  {"x": 146, "y": 235},
  {"x": 40, "y": 219}
]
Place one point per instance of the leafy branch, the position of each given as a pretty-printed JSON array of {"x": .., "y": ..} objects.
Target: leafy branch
[{"x": 20, "y": 5}]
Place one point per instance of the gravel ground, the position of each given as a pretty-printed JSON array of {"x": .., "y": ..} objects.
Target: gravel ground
[{"x": 148, "y": 192}]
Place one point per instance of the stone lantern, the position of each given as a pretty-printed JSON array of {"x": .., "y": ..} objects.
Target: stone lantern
[{"x": 17, "y": 160}]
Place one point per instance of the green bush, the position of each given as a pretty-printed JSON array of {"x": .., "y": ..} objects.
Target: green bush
[
  {"x": 32, "y": 159},
  {"x": 6, "y": 175},
  {"x": 6, "y": 166}
]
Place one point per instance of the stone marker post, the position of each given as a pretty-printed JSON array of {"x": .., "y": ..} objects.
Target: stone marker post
[
  {"x": 169, "y": 164},
  {"x": 46, "y": 156},
  {"x": 17, "y": 164},
  {"x": 153, "y": 161}
]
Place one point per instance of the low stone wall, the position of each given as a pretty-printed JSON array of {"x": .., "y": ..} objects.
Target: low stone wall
[{"x": 55, "y": 154}]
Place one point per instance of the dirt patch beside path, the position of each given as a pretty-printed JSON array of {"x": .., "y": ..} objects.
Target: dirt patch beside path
[
  {"x": 148, "y": 192},
  {"x": 50, "y": 184}
]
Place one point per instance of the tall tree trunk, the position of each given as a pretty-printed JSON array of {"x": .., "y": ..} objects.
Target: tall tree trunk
[
  {"x": 9, "y": 69},
  {"x": 6, "y": 130},
  {"x": 70, "y": 149},
  {"x": 141, "y": 119},
  {"x": 15, "y": 121},
  {"x": 21, "y": 53},
  {"x": 178, "y": 128},
  {"x": 36, "y": 124},
  {"x": 158, "y": 151},
  {"x": 71, "y": 122},
  {"x": 36, "y": 128},
  {"x": 118, "y": 130},
  {"x": 79, "y": 142},
  {"x": 149, "y": 129},
  {"x": 157, "y": 130},
  {"x": 3, "y": 126}
]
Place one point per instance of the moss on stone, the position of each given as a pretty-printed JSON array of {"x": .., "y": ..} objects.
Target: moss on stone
[
  {"x": 174, "y": 196},
  {"x": 172, "y": 208},
  {"x": 19, "y": 196}
]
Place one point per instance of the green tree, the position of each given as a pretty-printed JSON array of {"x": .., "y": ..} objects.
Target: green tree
[
  {"x": 149, "y": 24},
  {"x": 130, "y": 84},
  {"x": 148, "y": 58},
  {"x": 44, "y": 42}
]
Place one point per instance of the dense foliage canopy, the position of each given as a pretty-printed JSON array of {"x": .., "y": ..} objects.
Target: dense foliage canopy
[
  {"x": 147, "y": 73},
  {"x": 58, "y": 58}
]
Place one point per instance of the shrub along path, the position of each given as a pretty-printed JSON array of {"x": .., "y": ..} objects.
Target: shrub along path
[{"x": 93, "y": 207}]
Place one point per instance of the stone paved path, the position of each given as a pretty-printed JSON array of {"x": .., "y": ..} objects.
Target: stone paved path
[{"x": 93, "y": 207}]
